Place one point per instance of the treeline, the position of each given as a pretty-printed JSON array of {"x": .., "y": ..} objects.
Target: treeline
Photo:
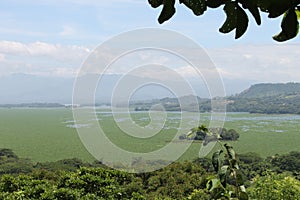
[
  {"x": 266, "y": 98},
  {"x": 32, "y": 105},
  {"x": 277, "y": 98},
  {"x": 280, "y": 104},
  {"x": 268, "y": 178},
  {"x": 186, "y": 103},
  {"x": 277, "y": 104}
]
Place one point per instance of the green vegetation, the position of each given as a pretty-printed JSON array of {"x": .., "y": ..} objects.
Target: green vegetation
[
  {"x": 172, "y": 104},
  {"x": 211, "y": 134},
  {"x": 49, "y": 134},
  {"x": 74, "y": 179},
  {"x": 69, "y": 172},
  {"x": 33, "y": 105},
  {"x": 236, "y": 15},
  {"x": 229, "y": 174},
  {"x": 40, "y": 134},
  {"x": 270, "y": 90},
  {"x": 267, "y": 98},
  {"x": 273, "y": 186}
]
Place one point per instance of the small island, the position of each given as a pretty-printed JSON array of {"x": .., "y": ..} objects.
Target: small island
[{"x": 210, "y": 134}]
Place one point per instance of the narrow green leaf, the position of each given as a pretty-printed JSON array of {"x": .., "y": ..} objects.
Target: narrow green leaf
[
  {"x": 231, "y": 17},
  {"x": 215, "y": 3},
  {"x": 212, "y": 184},
  {"x": 167, "y": 12},
  {"x": 216, "y": 160},
  {"x": 230, "y": 151},
  {"x": 242, "y": 23},
  {"x": 155, "y": 3},
  {"x": 223, "y": 175},
  {"x": 197, "y": 6}
]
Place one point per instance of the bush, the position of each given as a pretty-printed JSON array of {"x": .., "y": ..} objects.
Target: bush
[{"x": 275, "y": 186}]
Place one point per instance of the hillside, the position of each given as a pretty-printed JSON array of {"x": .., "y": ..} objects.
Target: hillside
[
  {"x": 270, "y": 90},
  {"x": 278, "y": 98},
  {"x": 184, "y": 103},
  {"x": 269, "y": 98}
]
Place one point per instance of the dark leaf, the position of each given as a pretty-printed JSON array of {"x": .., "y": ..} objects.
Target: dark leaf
[
  {"x": 231, "y": 17},
  {"x": 275, "y": 8},
  {"x": 234, "y": 163},
  {"x": 252, "y": 6},
  {"x": 278, "y": 8},
  {"x": 243, "y": 196},
  {"x": 215, "y": 3},
  {"x": 167, "y": 12},
  {"x": 216, "y": 160},
  {"x": 289, "y": 26},
  {"x": 230, "y": 151},
  {"x": 239, "y": 179},
  {"x": 242, "y": 22},
  {"x": 223, "y": 175},
  {"x": 155, "y": 3},
  {"x": 197, "y": 6}
]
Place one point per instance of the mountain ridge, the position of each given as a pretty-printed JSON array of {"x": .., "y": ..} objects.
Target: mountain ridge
[{"x": 270, "y": 89}]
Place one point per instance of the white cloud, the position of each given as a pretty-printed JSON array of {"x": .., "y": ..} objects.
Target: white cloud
[
  {"x": 41, "y": 58},
  {"x": 263, "y": 63},
  {"x": 11, "y": 47}
]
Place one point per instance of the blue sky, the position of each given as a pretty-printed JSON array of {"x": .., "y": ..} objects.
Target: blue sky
[
  {"x": 90, "y": 22},
  {"x": 52, "y": 38}
]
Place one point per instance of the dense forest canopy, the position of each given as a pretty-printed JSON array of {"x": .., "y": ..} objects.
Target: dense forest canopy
[{"x": 73, "y": 179}]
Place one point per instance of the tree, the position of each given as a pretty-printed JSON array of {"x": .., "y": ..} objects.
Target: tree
[
  {"x": 273, "y": 186},
  {"x": 230, "y": 134},
  {"x": 236, "y": 16}
]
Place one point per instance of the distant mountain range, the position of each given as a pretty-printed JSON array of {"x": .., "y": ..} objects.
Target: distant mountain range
[
  {"x": 30, "y": 90},
  {"x": 26, "y": 88},
  {"x": 266, "y": 98}
]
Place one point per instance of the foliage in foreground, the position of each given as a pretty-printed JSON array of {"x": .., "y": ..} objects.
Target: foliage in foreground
[
  {"x": 73, "y": 179},
  {"x": 236, "y": 15},
  {"x": 273, "y": 186}
]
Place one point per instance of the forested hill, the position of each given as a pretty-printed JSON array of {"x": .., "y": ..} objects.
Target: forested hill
[
  {"x": 278, "y": 98},
  {"x": 270, "y": 89}
]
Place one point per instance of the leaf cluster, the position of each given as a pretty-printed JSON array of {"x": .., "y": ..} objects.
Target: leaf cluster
[
  {"x": 236, "y": 13},
  {"x": 229, "y": 184}
]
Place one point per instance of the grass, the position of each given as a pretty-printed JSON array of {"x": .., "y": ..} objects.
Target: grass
[{"x": 44, "y": 135}]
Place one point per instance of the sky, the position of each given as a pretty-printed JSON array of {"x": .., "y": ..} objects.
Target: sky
[{"x": 53, "y": 38}]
